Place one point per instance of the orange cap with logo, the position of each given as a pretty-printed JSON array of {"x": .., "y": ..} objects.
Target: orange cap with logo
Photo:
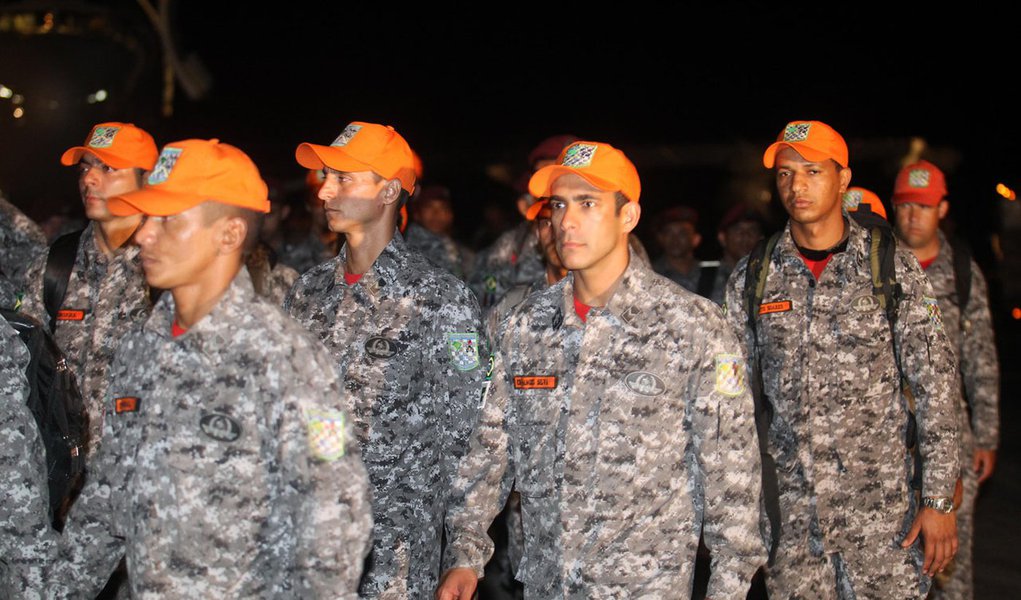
[
  {"x": 815, "y": 141},
  {"x": 191, "y": 172},
  {"x": 855, "y": 197},
  {"x": 920, "y": 183},
  {"x": 118, "y": 145},
  {"x": 600, "y": 164},
  {"x": 364, "y": 147}
]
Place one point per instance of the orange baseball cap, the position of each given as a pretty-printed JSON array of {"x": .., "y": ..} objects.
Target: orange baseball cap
[
  {"x": 191, "y": 172},
  {"x": 855, "y": 197},
  {"x": 600, "y": 164},
  {"x": 920, "y": 183},
  {"x": 533, "y": 211},
  {"x": 813, "y": 140},
  {"x": 118, "y": 145},
  {"x": 364, "y": 147}
]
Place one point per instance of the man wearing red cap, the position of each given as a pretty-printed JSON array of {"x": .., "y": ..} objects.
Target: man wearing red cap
[
  {"x": 405, "y": 335},
  {"x": 226, "y": 469},
  {"x": 831, "y": 363},
  {"x": 104, "y": 291},
  {"x": 619, "y": 411},
  {"x": 919, "y": 197}
]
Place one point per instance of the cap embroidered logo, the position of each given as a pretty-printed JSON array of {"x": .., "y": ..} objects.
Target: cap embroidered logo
[
  {"x": 102, "y": 137},
  {"x": 164, "y": 165},
  {"x": 796, "y": 132},
  {"x": 579, "y": 156},
  {"x": 346, "y": 135},
  {"x": 918, "y": 178}
]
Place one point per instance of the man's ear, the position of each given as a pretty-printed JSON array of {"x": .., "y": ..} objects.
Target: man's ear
[
  {"x": 943, "y": 208},
  {"x": 391, "y": 191},
  {"x": 845, "y": 179},
  {"x": 233, "y": 232},
  {"x": 630, "y": 213}
]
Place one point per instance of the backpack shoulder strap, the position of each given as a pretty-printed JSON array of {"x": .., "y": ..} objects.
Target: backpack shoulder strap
[
  {"x": 706, "y": 279},
  {"x": 59, "y": 263},
  {"x": 962, "y": 272}
]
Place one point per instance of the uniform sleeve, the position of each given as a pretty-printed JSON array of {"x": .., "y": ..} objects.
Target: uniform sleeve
[
  {"x": 481, "y": 483},
  {"x": 723, "y": 434},
  {"x": 979, "y": 364},
  {"x": 326, "y": 482},
  {"x": 734, "y": 310},
  {"x": 458, "y": 369},
  {"x": 928, "y": 364},
  {"x": 32, "y": 301}
]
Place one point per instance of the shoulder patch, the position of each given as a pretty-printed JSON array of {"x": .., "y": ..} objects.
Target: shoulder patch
[
  {"x": 464, "y": 350},
  {"x": 731, "y": 379},
  {"x": 935, "y": 316},
  {"x": 326, "y": 436}
]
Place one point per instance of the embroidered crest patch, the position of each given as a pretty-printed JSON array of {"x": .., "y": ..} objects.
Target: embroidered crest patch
[
  {"x": 326, "y": 436},
  {"x": 464, "y": 350},
  {"x": 220, "y": 427},
  {"x": 644, "y": 383},
  {"x": 866, "y": 303},
  {"x": 851, "y": 199},
  {"x": 796, "y": 132},
  {"x": 730, "y": 374},
  {"x": 918, "y": 178},
  {"x": 165, "y": 164},
  {"x": 579, "y": 155},
  {"x": 102, "y": 137},
  {"x": 935, "y": 316},
  {"x": 346, "y": 135},
  {"x": 380, "y": 347}
]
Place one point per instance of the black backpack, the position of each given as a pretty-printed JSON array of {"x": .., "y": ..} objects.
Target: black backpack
[
  {"x": 59, "y": 412},
  {"x": 882, "y": 251}
]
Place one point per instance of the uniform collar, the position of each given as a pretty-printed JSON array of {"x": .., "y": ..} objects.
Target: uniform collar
[
  {"x": 857, "y": 251},
  {"x": 385, "y": 270},
  {"x": 625, "y": 305},
  {"x": 946, "y": 252}
]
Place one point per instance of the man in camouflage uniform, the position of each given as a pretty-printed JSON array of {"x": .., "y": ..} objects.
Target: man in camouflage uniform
[
  {"x": 226, "y": 469},
  {"x": 25, "y": 536},
  {"x": 920, "y": 201},
  {"x": 830, "y": 371},
  {"x": 106, "y": 291},
  {"x": 21, "y": 243},
  {"x": 405, "y": 335},
  {"x": 619, "y": 410}
]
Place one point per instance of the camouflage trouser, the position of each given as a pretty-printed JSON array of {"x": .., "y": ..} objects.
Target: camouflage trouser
[{"x": 956, "y": 582}]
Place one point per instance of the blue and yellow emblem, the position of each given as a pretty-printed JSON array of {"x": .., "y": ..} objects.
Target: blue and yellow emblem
[
  {"x": 464, "y": 350},
  {"x": 326, "y": 435}
]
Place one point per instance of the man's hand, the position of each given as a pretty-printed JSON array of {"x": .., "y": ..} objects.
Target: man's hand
[
  {"x": 983, "y": 463},
  {"x": 939, "y": 534},
  {"x": 458, "y": 584},
  {"x": 958, "y": 493}
]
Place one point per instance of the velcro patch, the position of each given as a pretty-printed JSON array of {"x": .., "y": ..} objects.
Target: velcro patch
[
  {"x": 775, "y": 307},
  {"x": 346, "y": 136},
  {"x": 102, "y": 137},
  {"x": 579, "y": 155},
  {"x": 125, "y": 404},
  {"x": 70, "y": 314},
  {"x": 796, "y": 132},
  {"x": 326, "y": 435},
  {"x": 730, "y": 374},
  {"x": 535, "y": 382},
  {"x": 464, "y": 350}
]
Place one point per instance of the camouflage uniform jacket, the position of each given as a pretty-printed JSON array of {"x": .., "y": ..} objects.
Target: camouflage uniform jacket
[
  {"x": 441, "y": 251},
  {"x": 406, "y": 339},
  {"x": 225, "y": 470},
  {"x": 21, "y": 244},
  {"x": 972, "y": 337},
  {"x": 688, "y": 281},
  {"x": 26, "y": 540},
  {"x": 830, "y": 371},
  {"x": 625, "y": 436},
  {"x": 512, "y": 259},
  {"x": 105, "y": 297}
]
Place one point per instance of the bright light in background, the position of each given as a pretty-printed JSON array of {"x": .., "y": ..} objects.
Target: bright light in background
[
  {"x": 17, "y": 99},
  {"x": 1016, "y": 313},
  {"x": 19, "y": 112},
  {"x": 5, "y": 92},
  {"x": 100, "y": 95},
  {"x": 1005, "y": 191}
]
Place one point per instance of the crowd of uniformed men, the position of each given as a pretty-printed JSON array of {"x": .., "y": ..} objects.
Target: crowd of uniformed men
[{"x": 354, "y": 430}]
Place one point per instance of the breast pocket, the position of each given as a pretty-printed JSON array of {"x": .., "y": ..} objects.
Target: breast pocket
[
  {"x": 863, "y": 355},
  {"x": 532, "y": 426}
]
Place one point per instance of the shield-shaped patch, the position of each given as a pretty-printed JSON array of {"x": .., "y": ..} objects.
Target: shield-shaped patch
[
  {"x": 326, "y": 437},
  {"x": 464, "y": 350}
]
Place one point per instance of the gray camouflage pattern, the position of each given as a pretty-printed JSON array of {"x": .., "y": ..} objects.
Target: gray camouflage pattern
[
  {"x": 414, "y": 404},
  {"x": 642, "y": 441},
  {"x": 514, "y": 258},
  {"x": 233, "y": 477},
  {"x": 112, "y": 293},
  {"x": 26, "y": 540},
  {"x": 688, "y": 281},
  {"x": 21, "y": 243},
  {"x": 838, "y": 433},
  {"x": 441, "y": 250}
]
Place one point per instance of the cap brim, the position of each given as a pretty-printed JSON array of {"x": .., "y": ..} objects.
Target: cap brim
[
  {"x": 73, "y": 155},
  {"x": 154, "y": 202},
  {"x": 313, "y": 156},
  {"x": 541, "y": 182},
  {"x": 533, "y": 211},
  {"x": 809, "y": 154},
  {"x": 926, "y": 198}
]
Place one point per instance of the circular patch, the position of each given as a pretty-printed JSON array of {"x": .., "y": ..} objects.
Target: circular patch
[
  {"x": 866, "y": 303},
  {"x": 644, "y": 383},
  {"x": 220, "y": 427},
  {"x": 380, "y": 347}
]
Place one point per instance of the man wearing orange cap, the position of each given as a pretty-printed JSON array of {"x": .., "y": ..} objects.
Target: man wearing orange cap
[
  {"x": 619, "y": 411},
  {"x": 831, "y": 363},
  {"x": 98, "y": 293},
  {"x": 919, "y": 197},
  {"x": 405, "y": 335},
  {"x": 226, "y": 469}
]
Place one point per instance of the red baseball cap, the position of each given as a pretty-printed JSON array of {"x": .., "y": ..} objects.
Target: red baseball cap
[
  {"x": 191, "y": 172},
  {"x": 118, "y": 145},
  {"x": 920, "y": 183},
  {"x": 813, "y": 140},
  {"x": 600, "y": 164},
  {"x": 364, "y": 147}
]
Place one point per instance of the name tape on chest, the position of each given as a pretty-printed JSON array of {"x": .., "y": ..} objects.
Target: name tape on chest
[
  {"x": 769, "y": 308},
  {"x": 125, "y": 404},
  {"x": 71, "y": 314},
  {"x": 535, "y": 382}
]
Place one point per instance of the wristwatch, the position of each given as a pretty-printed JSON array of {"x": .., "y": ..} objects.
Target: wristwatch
[{"x": 941, "y": 503}]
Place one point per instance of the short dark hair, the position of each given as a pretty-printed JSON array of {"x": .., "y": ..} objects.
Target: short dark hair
[
  {"x": 252, "y": 219},
  {"x": 621, "y": 200},
  {"x": 140, "y": 176}
]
